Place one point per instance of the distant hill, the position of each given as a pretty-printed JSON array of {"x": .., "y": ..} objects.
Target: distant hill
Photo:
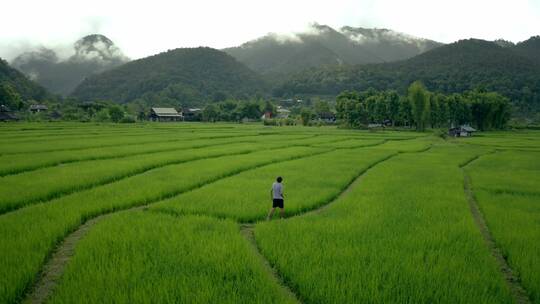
[
  {"x": 92, "y": 54},
  {"x": 190, "y": 75},
  {"x": 323, "y": 45},
  {"x": 26, "y": 88},
  {"x": 456, "y": 67},
  {"x": 529, "y": 48}
]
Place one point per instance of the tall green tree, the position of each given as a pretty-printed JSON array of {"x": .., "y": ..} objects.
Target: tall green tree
[
  {"x": 419, "y": 99},
  {"x": 210, "y": 113},
  {"x": 10, "y": 97},
  {"x": 116, "y": 113}
]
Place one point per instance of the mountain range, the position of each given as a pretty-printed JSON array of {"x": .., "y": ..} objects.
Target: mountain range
[
  {"x": 321, "y": 61},
  {"x": 193, "y": 76},
  {"x": 92, "y": 54},
  {"x": 512, "y": 70},
  {"x": 323, "y": 45},
  {"x": 20, "y": 84}
]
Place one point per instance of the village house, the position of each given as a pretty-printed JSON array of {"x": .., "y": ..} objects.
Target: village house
[
  {"x": 327, "y": 117},
  {"x": 165, "y": 114},
  {"x": 461, "y": 131},
  {"x": 6, "y": 114},
  {"x": 36, "y": 108},
  {"x": 282, "y": 112},
  {"x": 192, "y": 114}
]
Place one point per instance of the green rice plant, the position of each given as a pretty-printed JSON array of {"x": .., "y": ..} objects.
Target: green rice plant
[
  {"x": 506, "y": 187},
  {"x": 142, "y": 257},
  {"x": 28, "y": 235},
  {"x": 47, "y": 183},
  {"x": 80, "y": 144},
  {"x": 17, "y": 163},
  {"x": 404, "y": 234},
  {"x": 412, "y": 145},
  {"x": 308, "y": 182},
  {"x": 353, "y": 143}
]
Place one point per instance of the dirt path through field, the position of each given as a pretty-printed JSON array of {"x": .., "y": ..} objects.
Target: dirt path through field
[
  {"x": 55, "y": 265},
  {"x": 249, "y": 235},
  {"x": 512, "y": 280}
]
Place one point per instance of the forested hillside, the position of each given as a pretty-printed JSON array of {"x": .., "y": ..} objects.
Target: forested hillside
[
  {"x": 191, "y": 76},
  {"x": 529, "y": 48},
  {"x": 454, "y": 68},
  {"x": 93, "y": 54},
  {"x": 323, "y": 45},
  {"x": 18, "y": 87}
]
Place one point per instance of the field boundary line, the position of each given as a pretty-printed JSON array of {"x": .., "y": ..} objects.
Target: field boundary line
[
  {"x": 61, "y": 254},
  {"x": 54, "y": 267},
  {"x": 39, "y": 167},
  {"x": 59, "y": 194},
  {"x": 346, "y": 189},
  {"x": 246, "y": 230},
  {"x": 125, "y": 144},
  {"x": 518, "y": 293}
]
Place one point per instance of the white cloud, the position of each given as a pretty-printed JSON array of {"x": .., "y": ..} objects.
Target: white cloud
[{"x": 141, "y": 28}]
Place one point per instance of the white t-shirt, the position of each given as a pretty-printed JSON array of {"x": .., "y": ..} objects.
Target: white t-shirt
[{"x": 277, "y": 190}]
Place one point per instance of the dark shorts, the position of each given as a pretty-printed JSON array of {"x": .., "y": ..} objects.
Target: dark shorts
[{"x": 278, "y": 203}]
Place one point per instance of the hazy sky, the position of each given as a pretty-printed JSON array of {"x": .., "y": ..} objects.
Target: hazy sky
[{"x": 142, "y": 28}]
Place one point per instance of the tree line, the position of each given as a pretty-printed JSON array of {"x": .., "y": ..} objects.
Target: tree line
[{"x": 422, "y": 109}]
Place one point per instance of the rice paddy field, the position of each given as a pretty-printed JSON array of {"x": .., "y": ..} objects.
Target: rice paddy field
[{"x": 176, "y": 213}]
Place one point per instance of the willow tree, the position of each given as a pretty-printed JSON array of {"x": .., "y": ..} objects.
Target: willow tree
[{"x": 419, "y": 99}]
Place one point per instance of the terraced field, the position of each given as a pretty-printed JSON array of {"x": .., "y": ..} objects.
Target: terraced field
[{"x": 175, "y": 213}]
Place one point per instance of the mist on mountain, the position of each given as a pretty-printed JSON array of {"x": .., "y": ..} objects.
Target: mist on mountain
[
  {"x": 322, "y": 45},
  {"x": 92, "y": 54}
]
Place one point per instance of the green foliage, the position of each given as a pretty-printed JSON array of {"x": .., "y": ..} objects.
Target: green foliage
[
  {"x": 419, "y": 99},
  {"x": 485, "y": 110},
  {"x": 306, "y": 114},
  {"x": 210, "y": 113},
  {"x": 128, "y": 119},
  {"x": 454, "y": 68},
  {"x": 9, "y": 97},
  {"x": 102, "y": 116},
  {"x": 116, "y": 113},
  {"x": 18, "y": 84},
  {"x": 189, "y": 77}
]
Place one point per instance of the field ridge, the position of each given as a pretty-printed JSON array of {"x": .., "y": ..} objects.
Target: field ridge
[
  {"x": 58, "y": 194},
  {"x": 117, "y": 156},
  {"x": 247, "y": 232},
  {"x": 511, "y": 278},
  {"x": 54, "y": 266}
]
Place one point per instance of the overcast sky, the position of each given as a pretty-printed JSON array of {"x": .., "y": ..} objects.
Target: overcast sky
[{"x": 142, "y": 28}]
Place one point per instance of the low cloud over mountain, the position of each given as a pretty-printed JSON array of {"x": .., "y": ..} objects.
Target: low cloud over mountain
[
  {"x": 91, "y": 54},
  {"x": 322, "y": 45}
]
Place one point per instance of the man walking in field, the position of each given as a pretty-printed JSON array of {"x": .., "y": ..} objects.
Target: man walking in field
[{"x": 276, "y": 193}]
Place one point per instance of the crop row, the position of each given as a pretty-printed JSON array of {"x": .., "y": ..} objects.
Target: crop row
[
  {"x": 309, "y": 183},
  {"x": 17, "y": 163},
  {"x": 80, "y": 144},
  {"x": 505, "y": 185},
  {"x": 30, "y": 234},
  {"x": 177, "y": 260},
  {"x": 404, "y": 235},
  {"x": 243, "y": 196}
]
